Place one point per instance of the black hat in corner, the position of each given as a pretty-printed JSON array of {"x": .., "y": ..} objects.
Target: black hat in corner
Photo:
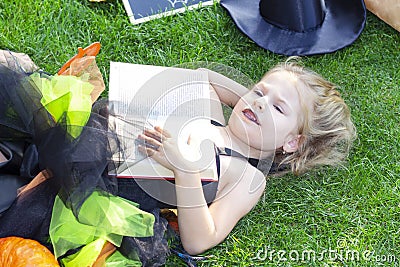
[{"x": 299, "y": 27}]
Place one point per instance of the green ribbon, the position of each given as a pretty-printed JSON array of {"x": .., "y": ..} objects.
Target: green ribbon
[
  {"x": 66, "y": 96},
  {"x": 102, "y": 217}
]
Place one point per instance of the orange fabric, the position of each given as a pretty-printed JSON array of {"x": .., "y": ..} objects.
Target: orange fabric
[
  {"x": 2, "y": 157},
  {"x": 386, "y": 10},
  {"x": 20, "y": 252},
  {"x": 84, "y": 63},
  {"x": 172, "y": 219},
  {"x": 107, "y": 250},
  {"x": 41, "y": 177},
  {"x": 92, "y": 50},
  {"x": 87, "y": 66}
]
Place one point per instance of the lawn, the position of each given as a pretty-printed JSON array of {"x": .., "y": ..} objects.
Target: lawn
[{"x": 348, "y": 216}]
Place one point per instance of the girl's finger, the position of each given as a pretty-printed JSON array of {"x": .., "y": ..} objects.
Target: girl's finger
[
  {"x": 153, "y": 134},
  {"x": 149, "y": 141},
  {"x": 147, "y": 150},
  {"x": 162, "y": 131}
]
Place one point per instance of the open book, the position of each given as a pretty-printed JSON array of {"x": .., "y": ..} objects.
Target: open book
[
  {"x": 144, "y": 96},
  {"x": 144, "y": 10}
]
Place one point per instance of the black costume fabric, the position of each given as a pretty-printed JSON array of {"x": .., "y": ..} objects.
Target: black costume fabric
[
  {"x": 32, "y": 140},
  {"x": 79, "y": 166}
]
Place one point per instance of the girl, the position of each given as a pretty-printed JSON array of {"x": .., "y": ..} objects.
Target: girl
[
  {"x": 292, "y": 113},
  {"x": 291, "y": 116}
]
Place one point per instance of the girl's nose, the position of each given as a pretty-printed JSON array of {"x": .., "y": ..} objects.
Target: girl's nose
[{"x": 260, "y": 103}]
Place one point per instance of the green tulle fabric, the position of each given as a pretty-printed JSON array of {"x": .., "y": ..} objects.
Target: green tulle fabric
[
  {"x": 66, "y": 95},
  {"x": 88, "y": 254},
  {"x": 102, "y": 218},
  {"x": 118, "y": 260}
]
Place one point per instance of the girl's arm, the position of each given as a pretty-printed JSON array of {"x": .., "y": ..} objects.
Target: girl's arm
[
  {"x": 202, "y": 227},
  {"x": 228, "y": 91}
]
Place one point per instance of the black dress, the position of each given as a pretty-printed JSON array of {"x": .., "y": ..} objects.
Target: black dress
[{"x": 78, "y": 155}]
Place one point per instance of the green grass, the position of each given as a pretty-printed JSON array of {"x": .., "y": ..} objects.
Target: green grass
[{"x": 355, "y": 208}]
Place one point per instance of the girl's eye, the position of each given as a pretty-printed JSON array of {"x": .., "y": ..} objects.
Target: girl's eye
[
  {"x": 279, "y": 109},
  {"x": 259, "y": 92}
]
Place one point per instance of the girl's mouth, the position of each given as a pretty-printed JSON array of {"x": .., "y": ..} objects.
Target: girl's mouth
[{"x": 249, "y": 114}]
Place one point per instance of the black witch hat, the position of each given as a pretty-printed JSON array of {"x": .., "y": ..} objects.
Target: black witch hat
[{"x": 299, "y": 27}]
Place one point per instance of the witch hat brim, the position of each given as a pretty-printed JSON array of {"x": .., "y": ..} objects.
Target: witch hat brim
[{"x": 343, "y": 23}]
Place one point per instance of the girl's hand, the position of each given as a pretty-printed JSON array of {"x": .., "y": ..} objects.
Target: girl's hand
[{"x": 159, "y": 145}]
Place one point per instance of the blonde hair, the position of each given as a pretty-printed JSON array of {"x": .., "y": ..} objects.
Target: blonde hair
[{"x": 327, "y": 131}]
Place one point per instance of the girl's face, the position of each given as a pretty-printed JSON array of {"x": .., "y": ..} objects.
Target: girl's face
[{"x": 269, "y": 116}]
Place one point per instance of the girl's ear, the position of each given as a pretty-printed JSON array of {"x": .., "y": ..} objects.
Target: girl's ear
[{"x": 292, "y": 144}]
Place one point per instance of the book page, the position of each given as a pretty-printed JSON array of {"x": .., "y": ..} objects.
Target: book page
[{"x": 144, "y": 96}]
